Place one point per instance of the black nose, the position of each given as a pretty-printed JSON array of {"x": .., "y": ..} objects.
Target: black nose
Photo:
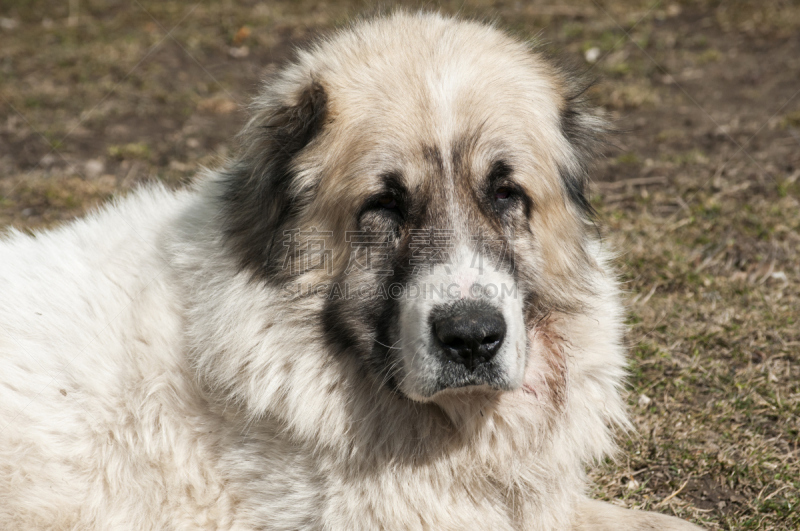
[{"x": 470, "y": 335}]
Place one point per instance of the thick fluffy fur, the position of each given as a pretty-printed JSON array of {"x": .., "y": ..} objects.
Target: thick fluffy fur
[{"x": 159, "y": 371}]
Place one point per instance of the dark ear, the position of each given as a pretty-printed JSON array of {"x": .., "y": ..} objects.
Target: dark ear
[
  {"x": 586, "y": 133},
  {"x": 260, "y": 198}
]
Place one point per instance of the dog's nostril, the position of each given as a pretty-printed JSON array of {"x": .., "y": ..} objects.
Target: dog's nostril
[
  {"x": 471, "y": 336},
  {"x": 454, "y": 342},
  {"x": 488, "y": 340}
]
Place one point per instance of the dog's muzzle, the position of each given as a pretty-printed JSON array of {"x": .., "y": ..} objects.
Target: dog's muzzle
[{"x": 467, "y": 335}]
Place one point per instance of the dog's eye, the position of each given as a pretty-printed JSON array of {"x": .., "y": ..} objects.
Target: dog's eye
[
  {"x": 387, "y": 202},
  {"x": 500, "y": 191},
  {"x": 503, "y": 193},
  {"x": 386, "y": 206}
]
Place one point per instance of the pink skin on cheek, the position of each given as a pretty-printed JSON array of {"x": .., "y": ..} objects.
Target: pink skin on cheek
[{"x": 537, "y": 367}]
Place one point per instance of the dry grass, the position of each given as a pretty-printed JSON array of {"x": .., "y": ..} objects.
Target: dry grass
[{"x": 701, "y": 195}]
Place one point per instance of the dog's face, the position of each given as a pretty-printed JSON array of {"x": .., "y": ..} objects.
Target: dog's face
[{"x": 426, "y": 186}]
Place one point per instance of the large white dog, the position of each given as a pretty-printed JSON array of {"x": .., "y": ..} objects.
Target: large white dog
[{"x": 389, "y": 311}]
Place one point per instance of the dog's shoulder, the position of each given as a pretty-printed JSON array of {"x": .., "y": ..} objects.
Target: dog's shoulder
[
  {"x": 93, "y": 383},
  {"x": 132, "y": 222},
  {"x": 65, "y": 285}
]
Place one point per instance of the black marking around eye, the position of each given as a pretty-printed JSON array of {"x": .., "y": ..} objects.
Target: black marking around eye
[
  {"x": 390, "y": 204},
  {"x": 499, "y": 171},
  {"x": 393, "y": 181},
  {"x": 499, "y": 178}
]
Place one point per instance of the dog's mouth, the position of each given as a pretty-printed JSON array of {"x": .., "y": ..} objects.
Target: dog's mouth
[{"x": 458, "y": 376}]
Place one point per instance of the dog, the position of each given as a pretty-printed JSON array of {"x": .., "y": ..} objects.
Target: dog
[{"x": 389, "y": 310}]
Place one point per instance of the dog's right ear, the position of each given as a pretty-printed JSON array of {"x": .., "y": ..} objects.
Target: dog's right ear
[
  {"x": 586, "y": 132},
  {"x": 260, "y": 198}
]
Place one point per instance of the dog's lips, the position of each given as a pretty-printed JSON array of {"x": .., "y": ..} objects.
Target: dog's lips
[{"x": 456, "y": 377}]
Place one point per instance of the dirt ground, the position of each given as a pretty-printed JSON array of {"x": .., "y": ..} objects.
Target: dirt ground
[{"x": 700, "y": 193}]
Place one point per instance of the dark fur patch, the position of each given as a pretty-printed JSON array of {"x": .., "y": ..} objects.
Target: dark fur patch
[
  {"x": 433, "y": 155},
  {"x": 372, "y": 214},
  {"x": 368, "y": 326},
  {"x": 585, "y": 131},
  {"x": 257, "y": 200},
  {"x": 463, "y": 149}
]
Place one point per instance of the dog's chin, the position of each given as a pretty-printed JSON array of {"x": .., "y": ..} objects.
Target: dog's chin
[{"x": 467, "y": 407}]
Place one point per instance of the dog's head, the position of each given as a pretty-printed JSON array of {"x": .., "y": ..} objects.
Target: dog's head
[{"x": 424, "y": 179}]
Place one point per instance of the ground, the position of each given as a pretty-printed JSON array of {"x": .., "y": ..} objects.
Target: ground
[{"x": 699, "y": 191}]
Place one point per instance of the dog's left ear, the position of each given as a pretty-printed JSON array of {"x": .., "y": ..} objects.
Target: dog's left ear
[
  {"x": 260, "y": 196},
  {"x": 586, "y": 133}
]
